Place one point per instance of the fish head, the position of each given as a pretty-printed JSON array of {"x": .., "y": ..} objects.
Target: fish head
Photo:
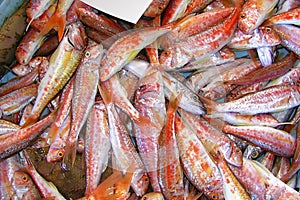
[
  {"x": 173, "y": 58},
  {"x": 271, "y": 38}
]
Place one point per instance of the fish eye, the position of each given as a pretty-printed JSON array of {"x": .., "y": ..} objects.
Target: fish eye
[
  {"x": 160, "y": 7},
  {"x": 145, "y": 198},
  {"x": 60, "y": 154},
  {"x": 268, "y": 30},
  {"x": 254, "y": 154},
  {"x": 87, "y": 54},
  {"x": 243, "y": 16},
  {"x": 237, "y": 151},
  {"x": 24, "y": 178}
]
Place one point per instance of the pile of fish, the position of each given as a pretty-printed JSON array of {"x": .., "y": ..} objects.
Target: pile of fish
[{"x": 198, "y": 100}]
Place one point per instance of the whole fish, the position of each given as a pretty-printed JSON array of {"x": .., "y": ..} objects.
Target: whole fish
[
  {"x": 276, "y": 141},
  {"x": 127, "y": 47},
  {"x": 272, "y": 99},
  {"x": 231, "y": 186},
  {"x": 85, "y": 89},
  {"x": 170, "y": 172},
  {"x": 200, "y": 45},
  {"x": 63, "y": 63},
  {"x": 150, "y": 102},
  {"x": 96, "y": 156},
  {"x": 197, "y": 164},
  {"x": 123, "y": 148}
]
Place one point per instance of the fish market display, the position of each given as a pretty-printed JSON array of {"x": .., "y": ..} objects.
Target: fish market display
[{"x": 197, "y": 100}]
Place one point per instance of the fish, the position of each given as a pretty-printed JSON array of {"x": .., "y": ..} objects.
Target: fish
[
  {"x": 15, "y": 141},
  {"x": 126, "y": 48},
  {"x": 276, "y": 141},
  {"x": 47, "y": 189},
  {"x": 196, "y": 161},
  {"x": 149, "y": 100},
  {"x": 271, "y": 99},
  {"x": 232, "y": 188},
  {"x": 123, "y": 148},
  {"x": 200, "y": 45},
  {"x": 84, "y": 93},
  {"x": 175, "y": 10},
  {"x": 96, "y": 156},
  {"x": 170, "y": 172},
  {"x": 63, "y": 63}
]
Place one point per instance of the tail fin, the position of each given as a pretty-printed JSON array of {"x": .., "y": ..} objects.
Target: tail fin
[
  {"x": 70, "y": 151},
  {"x": 116, "y": 186},
  {"x": 30, "y": 120},
  {"x": 56, "y": 20},
  {"x": 210, "y": 105}
]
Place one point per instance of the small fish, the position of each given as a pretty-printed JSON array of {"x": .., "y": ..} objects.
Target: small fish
[
  {"x": 271, "y": 99},
  {"x": 200, "y": 45},
  {"x": 170, "y": 172},
  {"x": 47, "y": 189},
  {"x": 232, "y": 188},
  {"x": 123, "y": 148},
  {"x": 276, "y": 141},
  {"x": 84, "y": 93},
  {"x": 96, "y": 156},
  {"x": 63, "y": 63},
  {"x": 197, "y": 164},
  {"x": 127, "y": 47},
  {"x": 196, "y": 6}
]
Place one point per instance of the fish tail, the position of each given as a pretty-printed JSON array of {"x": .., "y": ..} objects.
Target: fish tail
[
  {"x": 174, "y": 101},
  {"x": 52, "y": 133},
  {"x": 56, "y": 20},
  {"x": 70, "y": 152},
  {"x": 105, "y": 96},
  {"x": 211, "y": 106},
  {"x": 30, "y": 120}
]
